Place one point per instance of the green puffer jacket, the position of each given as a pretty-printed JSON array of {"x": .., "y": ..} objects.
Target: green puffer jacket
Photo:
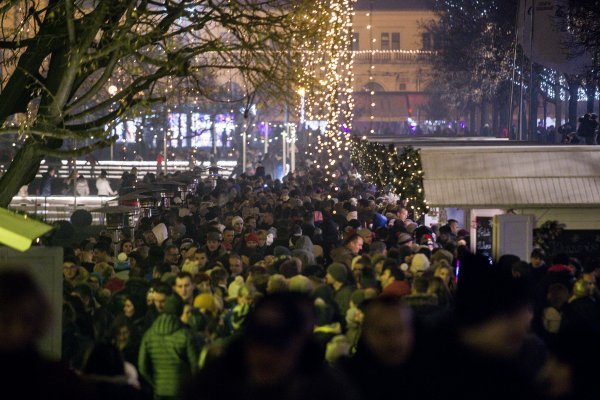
[{"x": 167, "y": 355}]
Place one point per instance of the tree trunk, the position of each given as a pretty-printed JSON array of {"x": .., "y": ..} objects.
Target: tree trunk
[
  {"x": 573, "y": 99},
  {"x": 496, "y": 118},
  {"x": 472, "y": 122},
  {"x": 21, "y": 171},
  {"x": 483, "y": 118},
  {"x": 590, "y": 91},
  {"x": 533, "y": 111},
  {"x": 557, "y": 101}
]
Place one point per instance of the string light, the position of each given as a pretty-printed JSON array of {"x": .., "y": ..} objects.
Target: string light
[
  {"x": 370, "y": 84},
  {"x": 397, "y": 172},
  {"x": 328, "y": 73}
]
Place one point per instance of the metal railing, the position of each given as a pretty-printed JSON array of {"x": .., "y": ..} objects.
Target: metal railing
[{"x": 392, "y": 56}]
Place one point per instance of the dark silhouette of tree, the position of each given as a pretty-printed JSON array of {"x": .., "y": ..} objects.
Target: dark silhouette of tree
[{"x": 73, "y": 69}]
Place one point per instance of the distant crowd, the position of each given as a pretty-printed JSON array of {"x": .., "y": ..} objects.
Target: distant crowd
[{"x": 305, "y": 288}]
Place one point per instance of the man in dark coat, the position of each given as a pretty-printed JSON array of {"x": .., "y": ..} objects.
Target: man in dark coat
[
  {"x": 276, "y": 357},
  {"x": 384, "y": 363}
]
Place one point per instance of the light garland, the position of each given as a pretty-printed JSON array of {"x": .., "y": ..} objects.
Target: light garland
[
  {"x": 398, "y": 172},
  {"x": 371, "y": 70},
  {"x": 328, "y": 77}
]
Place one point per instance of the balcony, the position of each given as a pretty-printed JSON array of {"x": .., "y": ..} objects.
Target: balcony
[{"x": 393, "y": 56}]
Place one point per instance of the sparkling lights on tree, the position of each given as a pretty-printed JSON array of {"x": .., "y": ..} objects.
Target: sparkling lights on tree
[
  {"x": 398, "y": 172},
  {"x": 328, "y": 82}
]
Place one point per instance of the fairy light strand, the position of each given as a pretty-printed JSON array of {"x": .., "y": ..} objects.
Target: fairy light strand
[{"x": 328, "y": 68}]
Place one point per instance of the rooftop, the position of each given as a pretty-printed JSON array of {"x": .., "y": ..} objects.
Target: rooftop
[
  {"x": 379, "y": 5},
  {"x": 509, "y": 177}
]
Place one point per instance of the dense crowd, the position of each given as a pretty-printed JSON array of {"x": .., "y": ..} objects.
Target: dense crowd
[{"x": 313, "y": 288}]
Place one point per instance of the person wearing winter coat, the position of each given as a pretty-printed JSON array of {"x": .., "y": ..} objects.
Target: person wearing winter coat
[
  {"x": 167, "y": 355},
  {"x": 81, "y": 186},
  {"x": 103, "y": 185}
]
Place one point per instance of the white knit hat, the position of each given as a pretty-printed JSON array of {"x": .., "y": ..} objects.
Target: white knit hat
[{"x": 419, "y": 264}]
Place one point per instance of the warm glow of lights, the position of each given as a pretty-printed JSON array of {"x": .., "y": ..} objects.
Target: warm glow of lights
[{"x": 330, "y": 64}]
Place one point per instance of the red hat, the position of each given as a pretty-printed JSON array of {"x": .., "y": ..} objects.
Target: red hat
[
  {"x": 252, "y": 237},
  {"x": 561, "y": 268}
]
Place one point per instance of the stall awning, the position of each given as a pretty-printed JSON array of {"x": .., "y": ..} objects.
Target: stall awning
[{"x": 511, "y": 177}]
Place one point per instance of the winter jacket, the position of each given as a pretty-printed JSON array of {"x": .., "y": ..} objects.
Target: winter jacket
[
  {"x": 303, "y": 249},
  {"x": 103, "y": 186},
  {"x": 167, "y": 355},
  {"x": 82, "y": 188}
]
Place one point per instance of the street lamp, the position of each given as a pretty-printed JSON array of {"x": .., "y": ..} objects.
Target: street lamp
[{"x": 112, "y": 90}]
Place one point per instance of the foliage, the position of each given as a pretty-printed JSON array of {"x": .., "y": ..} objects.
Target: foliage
[
  {"x": 392, "y": 170},
  {"x": 475, "y": 46},
  {"x": 546, "y": 234},
  {"x": 60, "y": 58},
  {"x": 583, "y": 23}
]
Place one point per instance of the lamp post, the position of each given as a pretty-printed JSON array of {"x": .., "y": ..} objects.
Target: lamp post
[
  {"x": 112, "y": 90},
  {"x": 301, "y": 91}
]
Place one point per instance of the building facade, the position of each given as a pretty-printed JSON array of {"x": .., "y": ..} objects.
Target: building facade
[{"x": 392, "y": 54}]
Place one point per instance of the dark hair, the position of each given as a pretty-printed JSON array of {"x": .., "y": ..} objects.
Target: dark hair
[
  {"x": 420, "y": 284},
  {"x": 105, "y": 359},
  {"x": 102, "y": 246},
  {"x": 538, "y": 253},
  {"x": 351, "y": 238},
  {"x": 383, "y": 300},
  {"x": 218, "y": 274},
  {"x": 279, "y": 317},
  {"x": 184, "y": 274},
  {"x": 162, "y": 287},
  {"x": 314, "y": 270},
  {"x": 72, "y": 259},
  {"x": 395, "y": 271}
]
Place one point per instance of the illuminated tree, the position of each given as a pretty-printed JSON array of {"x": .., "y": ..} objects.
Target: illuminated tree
[
  {"x": 328, "y": 75},
  {"x": 72, "y": 69}
]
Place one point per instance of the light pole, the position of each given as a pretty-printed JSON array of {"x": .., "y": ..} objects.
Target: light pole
[{"x": 301, "y": 91}]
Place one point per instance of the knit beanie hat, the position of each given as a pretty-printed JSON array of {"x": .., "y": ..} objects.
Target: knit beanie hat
[
  {"x": 419, "y": 264},
  {"x": 174, "y": 305},
  {"x": 252, "y": 237},
  {"x": 404, "y": 238},
  {"x": 442, "y": 254},
  {"x": 216, "y": 236},
  {"x": 281, "y": 251},
  {"x": 338, "y": 271},
  {"x": 411, "y": 227},
  {"x": 358, "y": 297},
  {"x": 300, "y": 283},
  {"x": 205, "y": 301}
]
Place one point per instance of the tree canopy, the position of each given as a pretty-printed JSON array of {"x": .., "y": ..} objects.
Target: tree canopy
[{"x": 71, "y": 69}]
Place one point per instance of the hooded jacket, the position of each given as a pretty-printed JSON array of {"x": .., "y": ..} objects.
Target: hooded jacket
[
  {"x": 303, "y": 249},
  {"x": 167, "y": 355}
]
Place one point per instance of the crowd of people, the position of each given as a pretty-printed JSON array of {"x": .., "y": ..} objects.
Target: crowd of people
[{"x": 313, "y": 288}]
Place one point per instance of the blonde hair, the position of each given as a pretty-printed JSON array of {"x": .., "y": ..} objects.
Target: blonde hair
[{"x": 104, "y": 269}]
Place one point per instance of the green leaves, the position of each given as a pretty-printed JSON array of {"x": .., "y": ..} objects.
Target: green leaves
[{"x": 391, "y": 170}]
